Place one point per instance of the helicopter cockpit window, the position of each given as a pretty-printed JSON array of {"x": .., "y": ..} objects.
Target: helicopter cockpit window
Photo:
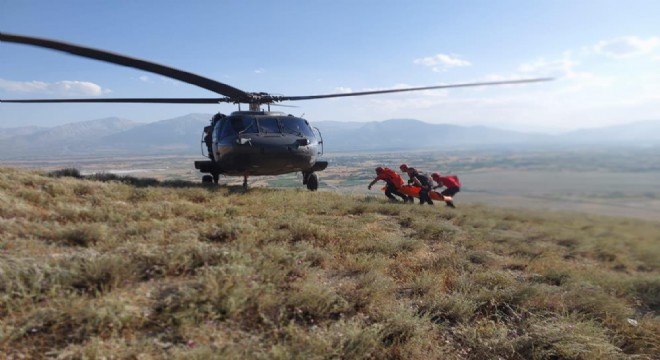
[
  {"x": 269, "y": 126},
  {"x": 218, "y": 130},
  {"x": 244, "y": 124},
  {"x": 297, "y": 126},
  {"x": 224, "y": 129}
]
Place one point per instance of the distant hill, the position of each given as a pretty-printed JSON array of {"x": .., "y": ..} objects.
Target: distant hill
[
  {"x": 641, "y": 133},
  {"x": 8, "y": 133},
  {"x": 414, "y": 134},
  {"x": 182, "y": 135},
  {"x": 73, "y": 138}
]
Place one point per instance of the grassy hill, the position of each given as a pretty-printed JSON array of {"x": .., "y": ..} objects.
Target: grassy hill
[{"x": 128, "y": 268}]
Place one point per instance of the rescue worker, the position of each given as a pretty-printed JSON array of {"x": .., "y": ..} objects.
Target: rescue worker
[
  {"x": 422, "y": 180},
  {"x": 208, "y": 134},
  {"x": 208, "y": 140},
  {"x": 452, "y": 184},
  {"x": 393, "y": 181}
]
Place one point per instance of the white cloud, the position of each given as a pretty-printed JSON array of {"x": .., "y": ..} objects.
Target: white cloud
[
  {"x": 169, "y": 81},
  {"x": 441, "y": 62},
  {"x": 626, "y": 46},
  {"x": 564, "y": 67},
  {"x": 343, "y": 90},
  {"x": 259, "y": 71},
  {"x": 76, "y": 88},
  {"x": 144, "y": 78},
  {"x": 566, "y": 70},
  {"x": 60, "y": 88}
]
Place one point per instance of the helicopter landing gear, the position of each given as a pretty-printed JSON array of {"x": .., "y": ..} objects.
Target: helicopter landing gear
[
  {"x": 245, "y": 183},
  {"x": 311, "y": 180},
  {"x": 213, "y": 178}
]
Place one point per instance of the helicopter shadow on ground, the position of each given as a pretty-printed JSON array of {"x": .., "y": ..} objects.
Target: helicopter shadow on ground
[{"x": 149, "y": 182}]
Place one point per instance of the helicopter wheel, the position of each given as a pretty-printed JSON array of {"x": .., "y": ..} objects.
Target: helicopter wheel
[
  {"x": 312, "y": 182},
  {"x": 207, "y": 179},
  {"x": 216, "y": 177}
]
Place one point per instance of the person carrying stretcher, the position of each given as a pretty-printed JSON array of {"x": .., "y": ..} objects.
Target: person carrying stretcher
[
  {"x": 394, "y": 182},
  {"x": 422, "y": 180},
  {"x": 452, "y": 184}
]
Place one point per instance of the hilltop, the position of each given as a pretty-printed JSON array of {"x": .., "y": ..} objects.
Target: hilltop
[{"x": 121, "y": 266}]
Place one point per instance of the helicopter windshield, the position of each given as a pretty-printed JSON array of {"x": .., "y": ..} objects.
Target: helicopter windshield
[
  {"x": 243, "y": 125},
  {"x": 297, "y": 126},
  {"x": 268, "y": 125}
]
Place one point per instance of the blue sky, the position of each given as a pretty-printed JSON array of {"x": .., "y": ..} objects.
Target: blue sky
[{"x": 605, "y": 55}]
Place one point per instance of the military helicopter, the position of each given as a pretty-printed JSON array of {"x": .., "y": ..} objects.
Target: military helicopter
[{"x": 245, "y": 143}]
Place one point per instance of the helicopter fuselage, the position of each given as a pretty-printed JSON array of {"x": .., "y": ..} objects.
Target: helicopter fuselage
[{"x": 249, "y": 143}]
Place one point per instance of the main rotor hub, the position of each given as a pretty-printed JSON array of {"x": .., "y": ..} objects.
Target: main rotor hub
[{"x": 254, "y": 106}]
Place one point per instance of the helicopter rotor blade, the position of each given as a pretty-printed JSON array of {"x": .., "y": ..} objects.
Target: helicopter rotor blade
[
  {"x": 231, "y": 94},
  {"x": 126, "y": 100},
  {"x": 282, "y": 105},
  {"x": 102, "y": 55},
  {"x": 363, "y": 93}
]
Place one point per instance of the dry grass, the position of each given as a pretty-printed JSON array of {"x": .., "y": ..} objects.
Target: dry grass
[{"x": 136, "y": 268}]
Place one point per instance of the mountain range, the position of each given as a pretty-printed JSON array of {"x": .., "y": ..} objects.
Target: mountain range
[{"x": 183, "y": 135}]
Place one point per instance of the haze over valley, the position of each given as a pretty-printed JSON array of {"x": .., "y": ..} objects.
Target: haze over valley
[{"x": 182, "y": 136}]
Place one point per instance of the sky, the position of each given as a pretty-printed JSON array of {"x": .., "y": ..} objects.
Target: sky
[{"x": 604, "y": 55}]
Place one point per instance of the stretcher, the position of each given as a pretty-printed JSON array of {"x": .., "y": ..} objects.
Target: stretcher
[{"x": 414, "y": 192}]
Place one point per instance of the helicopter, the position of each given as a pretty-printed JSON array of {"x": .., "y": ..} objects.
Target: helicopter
[{"x": 255, "y": 142}]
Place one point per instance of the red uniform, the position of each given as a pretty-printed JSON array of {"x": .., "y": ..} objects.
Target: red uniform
[
  {"x": 450, "y": 181},
  {"x": 389, "y": 176},
  {"x": 394, "y": 183},
  {"x": 452, "y": 184}
]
